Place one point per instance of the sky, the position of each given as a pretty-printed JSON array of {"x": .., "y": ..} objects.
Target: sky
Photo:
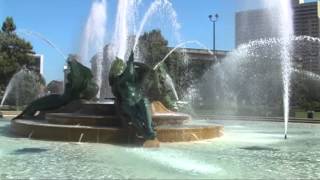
[{"x": 62, "y": 22}]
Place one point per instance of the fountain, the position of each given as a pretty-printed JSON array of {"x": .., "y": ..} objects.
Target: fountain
[
  {"x": 72, "y": 115},
  {"x": 252, "y": 81},
  {"x": 126, "y": 37},
  {"x": 286, "y": 30},
  {"x": 179, "y": 46},
  {"x": 284, "y": 26},
  {"x": 21, "y": 82},
  {"x": 95, "y": 33},
  {"x": 93, "y": 38},
  {"x": 249, "y": 76},
  {"x": 95, "y": 30},
  {"x": 154, "y": 7}
]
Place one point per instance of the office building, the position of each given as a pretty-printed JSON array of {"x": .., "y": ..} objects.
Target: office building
[{"x": 261, "y": 24}]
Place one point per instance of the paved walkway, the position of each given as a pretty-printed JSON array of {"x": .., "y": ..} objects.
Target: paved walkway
[{"x": 258, "y": 118}]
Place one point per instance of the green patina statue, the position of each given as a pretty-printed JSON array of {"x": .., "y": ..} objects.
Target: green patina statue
[
  {"x": 134, "y": 108},
  {"x": 79, "y": 85}
]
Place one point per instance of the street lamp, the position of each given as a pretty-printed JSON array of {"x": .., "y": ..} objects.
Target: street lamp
[{"x": 214, "y": 18}]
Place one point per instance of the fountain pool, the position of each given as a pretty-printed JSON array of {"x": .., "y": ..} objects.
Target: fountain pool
[{"x": 247, "y": 150}]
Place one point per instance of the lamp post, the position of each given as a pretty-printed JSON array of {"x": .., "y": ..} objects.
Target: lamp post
[{"x": 214, "y": 18}]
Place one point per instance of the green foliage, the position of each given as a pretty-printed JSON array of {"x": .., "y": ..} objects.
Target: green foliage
[
  {"x": 8, "y": 25},
  {"x": 305, "y": 93},
  {"x": 14, "y": 53},
  {"x": 186, "y": 73},
  {"x": 154, "y": 47}
]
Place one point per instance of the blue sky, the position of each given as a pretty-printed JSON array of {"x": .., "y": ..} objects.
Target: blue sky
[{"x": 62, "y": 22}]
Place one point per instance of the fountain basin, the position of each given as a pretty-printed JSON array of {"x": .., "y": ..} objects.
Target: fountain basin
[
  {"x": 82, "y": 119},
  {"x": 99, "y": 123},
  {"x": 112, "y": 120},
  {"x": 47, "y": 131}
]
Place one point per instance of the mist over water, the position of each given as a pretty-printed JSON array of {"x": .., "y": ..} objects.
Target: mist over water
[
  {"x": 248, "y": 82},
  {"x": 24, "y": 81},
  {"x": 254, "y": 78},
  {"x": 125, "y": 19},
  {"x": 93, "y": 39}
]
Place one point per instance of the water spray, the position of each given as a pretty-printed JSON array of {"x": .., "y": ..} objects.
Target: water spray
[
  {"x": 43, "y": 38},
  {"x": 155, "y": 8},
  {"x": 179, "y": 46}
]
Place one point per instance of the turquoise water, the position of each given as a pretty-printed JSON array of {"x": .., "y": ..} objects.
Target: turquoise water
[{"x": 247, "y": 150}]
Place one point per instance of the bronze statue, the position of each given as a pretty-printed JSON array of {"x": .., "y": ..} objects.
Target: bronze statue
[
  {"x": 133, "y": 106},
  {"x": 80, "y": 85}
]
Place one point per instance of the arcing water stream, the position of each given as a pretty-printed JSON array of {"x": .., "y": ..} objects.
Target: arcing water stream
[
  {"x": 179, "y": 46},
  {"x": 42, "y": 38}
]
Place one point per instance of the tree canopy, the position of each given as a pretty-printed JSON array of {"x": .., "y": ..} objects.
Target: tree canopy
[
  {"x": 8, "y": 25},
  {"x": 15, "y": 53},
  {"x": 153, "y": 47}
]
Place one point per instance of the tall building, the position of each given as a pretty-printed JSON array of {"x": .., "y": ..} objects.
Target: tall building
[
  {"x": 254, "y": 24},
  {"x": 38, "y": 67},
  {"x": 257, "y": 24},
  {"x": 307, "y": 23},
  {"x": 37, "y": 64},
  {"x": 306, "y": 18}
]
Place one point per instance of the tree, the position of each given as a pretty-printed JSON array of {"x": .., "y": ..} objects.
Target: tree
[
  {"x": 153, "y": 47},
  {"x": 305, "y": 93},
  {"x": 14, "y": 53},
  {"x": 8, "y": 25}
]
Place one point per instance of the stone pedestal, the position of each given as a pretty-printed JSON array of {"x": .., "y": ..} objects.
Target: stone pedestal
[
  {"x": 98, "y": 123},
  {"x": 151, "y": 144}
]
